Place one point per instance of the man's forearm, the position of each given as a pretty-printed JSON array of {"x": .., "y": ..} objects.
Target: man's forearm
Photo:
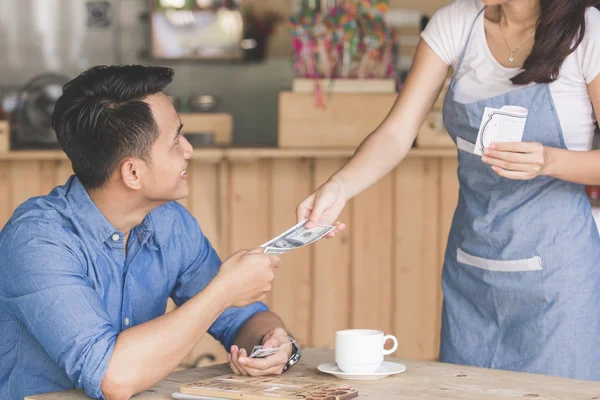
[
  {"x": 255, "y": 328},
  {"x": 145, "y": 354}
]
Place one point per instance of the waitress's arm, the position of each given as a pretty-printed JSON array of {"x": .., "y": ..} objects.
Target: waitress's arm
[
  {"x": 389, "y": 143},
  {"x": 578, "y": 166}
]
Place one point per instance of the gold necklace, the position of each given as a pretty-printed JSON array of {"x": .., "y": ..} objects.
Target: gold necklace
[{"x": 511, "y": 57}]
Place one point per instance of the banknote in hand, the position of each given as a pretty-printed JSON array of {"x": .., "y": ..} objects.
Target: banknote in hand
[
  {"x": 295, "y": 237},
  {"x": 260, "y": 352}
]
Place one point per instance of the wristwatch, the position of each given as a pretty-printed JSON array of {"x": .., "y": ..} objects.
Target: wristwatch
[{"x": 295, "y": 357}]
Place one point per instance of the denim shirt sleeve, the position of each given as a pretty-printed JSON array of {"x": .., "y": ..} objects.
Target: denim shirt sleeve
[
  {"x": 201, "y": 265},
  {"x": 44, "y": 285}
]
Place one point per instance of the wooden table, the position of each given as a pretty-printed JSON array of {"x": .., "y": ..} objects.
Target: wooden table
[{"x": 421, "y": 380}]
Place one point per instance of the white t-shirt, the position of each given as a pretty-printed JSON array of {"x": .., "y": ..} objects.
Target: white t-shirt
[{"x": 481, "y": 76}]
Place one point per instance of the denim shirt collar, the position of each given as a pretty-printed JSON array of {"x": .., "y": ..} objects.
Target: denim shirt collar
[{"x": 91, "y": 219}]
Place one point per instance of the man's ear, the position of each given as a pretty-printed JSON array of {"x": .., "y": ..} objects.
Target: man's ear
[{"x": 130, "y": 173}]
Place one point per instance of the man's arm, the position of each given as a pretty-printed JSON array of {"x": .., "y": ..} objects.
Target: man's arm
[
  {"x": 251, "y": 333},
  {"x": 145, "y": 354},
  {"x": 236, "y": 327},
  {"x": 45, "y": 284}
]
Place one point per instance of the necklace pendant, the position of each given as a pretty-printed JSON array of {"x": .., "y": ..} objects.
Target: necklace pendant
[{"x": 511, "y": 58}]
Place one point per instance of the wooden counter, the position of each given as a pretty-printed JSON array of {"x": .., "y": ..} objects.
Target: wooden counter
[
  {"x": 383, "y": 272},
  {"x": 421, "y": 380}
]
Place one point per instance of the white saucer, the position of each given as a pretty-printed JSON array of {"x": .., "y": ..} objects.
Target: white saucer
[{"x": 386, "y": 369}]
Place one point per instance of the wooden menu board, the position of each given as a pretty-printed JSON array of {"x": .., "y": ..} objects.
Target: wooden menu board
[{"x": 270, "y": 387}]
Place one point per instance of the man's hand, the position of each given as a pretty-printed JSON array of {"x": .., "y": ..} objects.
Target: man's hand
[
  {"x": 247, "y": 276},
  {"x": 241, "y": 364}
]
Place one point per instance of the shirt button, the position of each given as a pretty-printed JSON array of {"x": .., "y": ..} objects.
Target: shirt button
[
  {"x": 126, "y": 321},
  {"x": 115, "y": 237}
]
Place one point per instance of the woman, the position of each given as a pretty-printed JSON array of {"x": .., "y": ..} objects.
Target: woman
[{"x": 521, "y": 278}]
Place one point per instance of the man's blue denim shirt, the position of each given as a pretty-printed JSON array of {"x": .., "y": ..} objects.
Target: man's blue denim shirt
[{"x": 67, "y": 287}]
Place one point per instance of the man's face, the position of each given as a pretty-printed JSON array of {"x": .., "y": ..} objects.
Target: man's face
[{"x": 164, "y": 177}]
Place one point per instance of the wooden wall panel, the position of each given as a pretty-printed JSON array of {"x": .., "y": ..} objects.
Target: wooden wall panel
[
  {"x": 332, "y": 268},
  {"x": 249, "y": 205},
  {"x": 372, "y": 252},
  {"x": 47, "y": 177},
  {"x": 449, "y": 189},
  {"x": 383, "y": 272},
  {"x": 25, "y": 181},
  {"x": 431, "y": 266},
  {"x": 204, "y": 204},
  {"x": 203, "y": 201},
  {"x": 291, "y": 295},
  {"x": 224, "y": 209},
  {"x": 417, "y": 264}
]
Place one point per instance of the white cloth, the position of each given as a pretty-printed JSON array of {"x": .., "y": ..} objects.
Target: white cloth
[{"x": 481, "y": 76}]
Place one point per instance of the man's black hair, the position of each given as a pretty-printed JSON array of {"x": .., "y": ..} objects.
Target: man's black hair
[{"x": 101, "y": 118}]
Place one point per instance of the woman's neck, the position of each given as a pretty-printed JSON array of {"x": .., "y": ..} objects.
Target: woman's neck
[{"x": 518, "y": 14}]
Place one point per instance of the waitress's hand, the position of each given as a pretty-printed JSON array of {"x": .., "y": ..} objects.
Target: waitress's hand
[
  {"x": 517, "y": 160},
  {"x": 323, "y": 207}
]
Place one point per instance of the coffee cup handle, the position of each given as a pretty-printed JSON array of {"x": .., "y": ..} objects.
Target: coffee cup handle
[{"x": 393, "y": 349}]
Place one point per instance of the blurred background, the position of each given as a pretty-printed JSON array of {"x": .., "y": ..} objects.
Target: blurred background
[{"x": 69, "y": 36}]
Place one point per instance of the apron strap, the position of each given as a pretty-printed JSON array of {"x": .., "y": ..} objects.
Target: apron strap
[{"x": 464, "y": 50}]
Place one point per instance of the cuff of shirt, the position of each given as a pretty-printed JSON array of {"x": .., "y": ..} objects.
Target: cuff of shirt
[
  {"x": 248, "y": 312},
  {"x": 95, "y": 367}
]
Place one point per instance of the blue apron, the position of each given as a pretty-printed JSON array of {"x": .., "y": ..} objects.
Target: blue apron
[{"x": 521, "y": 276}]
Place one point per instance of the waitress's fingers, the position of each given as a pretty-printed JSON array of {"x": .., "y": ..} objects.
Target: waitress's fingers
[
  {"x": 517, "y": 175},
  {"x": 319, "y": 208},
  {"x": 338, "y": 228},
  {"x": 518, "y": 147},
  {"x": 530, "y": 167},
  {"x": 305, "y": 208},
  {"x": 510, "y": 156}
]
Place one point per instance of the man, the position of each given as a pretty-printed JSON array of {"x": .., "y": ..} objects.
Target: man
[{"x": 85, "y": 272}]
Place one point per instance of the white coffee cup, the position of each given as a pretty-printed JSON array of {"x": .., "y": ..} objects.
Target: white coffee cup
[{"x": 361, "y": 351}]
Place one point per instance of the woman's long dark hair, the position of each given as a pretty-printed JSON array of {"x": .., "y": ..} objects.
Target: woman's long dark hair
[{"x": 560, "y": 30}]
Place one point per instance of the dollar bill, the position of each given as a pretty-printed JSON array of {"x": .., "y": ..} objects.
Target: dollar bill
[
  {"x": 273, "y": 251},
  {"x": 260, "y": 352},
  {"x": 295, "y": 237}
]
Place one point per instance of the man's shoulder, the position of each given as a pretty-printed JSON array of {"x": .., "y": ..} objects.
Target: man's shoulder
[
  {"x": 43, "y": 214},
  {"x": 38, "y": 227}
]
